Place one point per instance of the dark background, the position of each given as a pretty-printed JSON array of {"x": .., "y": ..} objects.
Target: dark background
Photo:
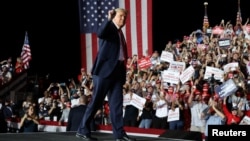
[{"x": 53, "y": 29}]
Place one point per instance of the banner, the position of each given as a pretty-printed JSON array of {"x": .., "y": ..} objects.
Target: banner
[{"x": 227, "y": 88}]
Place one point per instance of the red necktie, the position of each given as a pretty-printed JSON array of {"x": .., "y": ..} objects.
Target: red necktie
[{"x": 124, "y": 46}]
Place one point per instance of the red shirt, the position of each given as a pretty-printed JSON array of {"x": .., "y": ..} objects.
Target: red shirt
[{"x": 230, "y": 116}]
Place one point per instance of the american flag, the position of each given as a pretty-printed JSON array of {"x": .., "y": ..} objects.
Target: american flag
[
  {"x": 26, "y": 52},
  {"x": 205, "y": 21},
  {"x": 238, "y": 17},
  {"x": 137, "y": 31}
]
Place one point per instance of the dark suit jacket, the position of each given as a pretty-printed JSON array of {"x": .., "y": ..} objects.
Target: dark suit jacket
[
  {"x": 75, "y": 117},
  {"x": 109, "y": 49}
]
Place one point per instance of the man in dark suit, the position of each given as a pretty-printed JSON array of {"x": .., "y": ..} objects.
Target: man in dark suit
[
  {"x": 76, "y": 113},
  {"x": 109, "y": 75}
]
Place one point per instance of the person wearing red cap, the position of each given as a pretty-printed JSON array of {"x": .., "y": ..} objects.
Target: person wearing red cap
[
  {"x": 177, "y": 104},
  {"x": 196, "y": 107},
  {"x": 234, "y": 116},
  {"x": 213, "y": 115}
]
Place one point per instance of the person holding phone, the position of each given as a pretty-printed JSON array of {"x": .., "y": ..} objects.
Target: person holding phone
[{"x": 109, "y": 76}]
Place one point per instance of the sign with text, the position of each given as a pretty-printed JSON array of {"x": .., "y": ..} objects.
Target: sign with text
[
  {"x": 173, "y": 115},
  {"x": 245, "y": 121},
  {"x": 167, "y": 56},
  {"x": 218, "y": 73},
  {"x": 177, "y": 66},
  {"x": 187, "y": 74},
  {"x": 138, "y": 101},
  {"x": 134, "y": 100},
  {"x": 171, "y": 76},
  {"x": 144, "y": 63},
  {"x": 126, "y": 99},
  {"x": 224, "y": 43},
  {"x": 217, "y": 30},
  {"x": 229, "y": 66},
  {"x": 227, "y": 88}
]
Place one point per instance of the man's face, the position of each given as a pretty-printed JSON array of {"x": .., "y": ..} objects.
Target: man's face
[{"x": 120, "y": 18}]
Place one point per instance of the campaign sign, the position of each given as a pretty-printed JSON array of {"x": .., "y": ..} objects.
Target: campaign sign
[
  {"x": 245, "y": 121},
  {"x": 224, "y": 43},
  {"x": 217, "y": 30},
  {"x": 167, "y": 56},
  {"x": 171, "y": 76},
  {"x": 227, "y": 88},
  {"x": 187, "y": 74},
  {"x": 144, "y": 63}
]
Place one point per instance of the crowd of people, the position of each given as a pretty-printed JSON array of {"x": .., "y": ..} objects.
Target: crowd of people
[{"x": 197, "y": 101}]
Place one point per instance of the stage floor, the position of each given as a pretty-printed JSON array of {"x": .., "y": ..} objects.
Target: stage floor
[{"x": 70, "y": 136}]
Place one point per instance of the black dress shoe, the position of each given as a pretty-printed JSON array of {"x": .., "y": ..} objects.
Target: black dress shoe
[
  {"x": 86, "y": 138},
  {"x": 125, "y": 138}
]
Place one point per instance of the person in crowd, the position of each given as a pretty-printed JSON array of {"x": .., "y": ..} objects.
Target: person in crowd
[
  {"x": 6, "y": 75},
  {"x": 19, "y": 67},
  {"x": 147, "y": 114},
  {"x": 43, "y": 111},
  {"x": 161, "y": 112},
  {"x": 65, "y": 113},
  {"x": 131, "y": 113},
  {"x": 9, "y": 64},
  {"x": 234, "y": 116},
  {"x": 55, "y": 111},
  {"x": 26, "y": 103},
  {"x": 29, "y": 122},
  {"x": 76, "y": 113},
  {"x": 109, "y": 76},
  {"x": 5, "y": 113},
  {"x": 213, "y": 115},
  {"x": 46, "y": 99},
  {"x": 177, "y": 104},
  {"x": 197, "y": 105}
]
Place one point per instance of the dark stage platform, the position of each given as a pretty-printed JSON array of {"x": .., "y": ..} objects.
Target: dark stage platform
[{"x": 70, "y": 136}]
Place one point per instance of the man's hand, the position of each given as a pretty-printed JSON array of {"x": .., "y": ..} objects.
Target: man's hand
[{"x": 111, "y": 14}]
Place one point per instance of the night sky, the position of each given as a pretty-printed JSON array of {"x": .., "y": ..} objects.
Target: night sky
[{"x": 53, "y": 28}]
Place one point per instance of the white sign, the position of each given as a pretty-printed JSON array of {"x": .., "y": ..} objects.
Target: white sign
[
  {"x": 171, "y": 76},
  {"x": 218, "y": 73},
  {"x": 126, "y": 99},
  {"x": 138, "y": 101},
  {"x": 245, "y": 121},
  {"x": 167, "y": 56},
  {"x": 227, "y": 67},
  {"x": 173, "y": 115},
  {"x": 135, "y": 100},
  {"x": 187, "y": 74},
  {"x": 177, "y": 66}
]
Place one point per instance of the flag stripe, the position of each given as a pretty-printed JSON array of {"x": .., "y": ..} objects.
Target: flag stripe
[
  {"x": 148, "y": 48},
  {"x": 26, "y": 52},
  {"x": 137, "y": 31},
  {"x": 139, "y": 27}
]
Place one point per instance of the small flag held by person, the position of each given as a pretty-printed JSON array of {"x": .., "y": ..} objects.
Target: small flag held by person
[{"x": 26, "y": 52}]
